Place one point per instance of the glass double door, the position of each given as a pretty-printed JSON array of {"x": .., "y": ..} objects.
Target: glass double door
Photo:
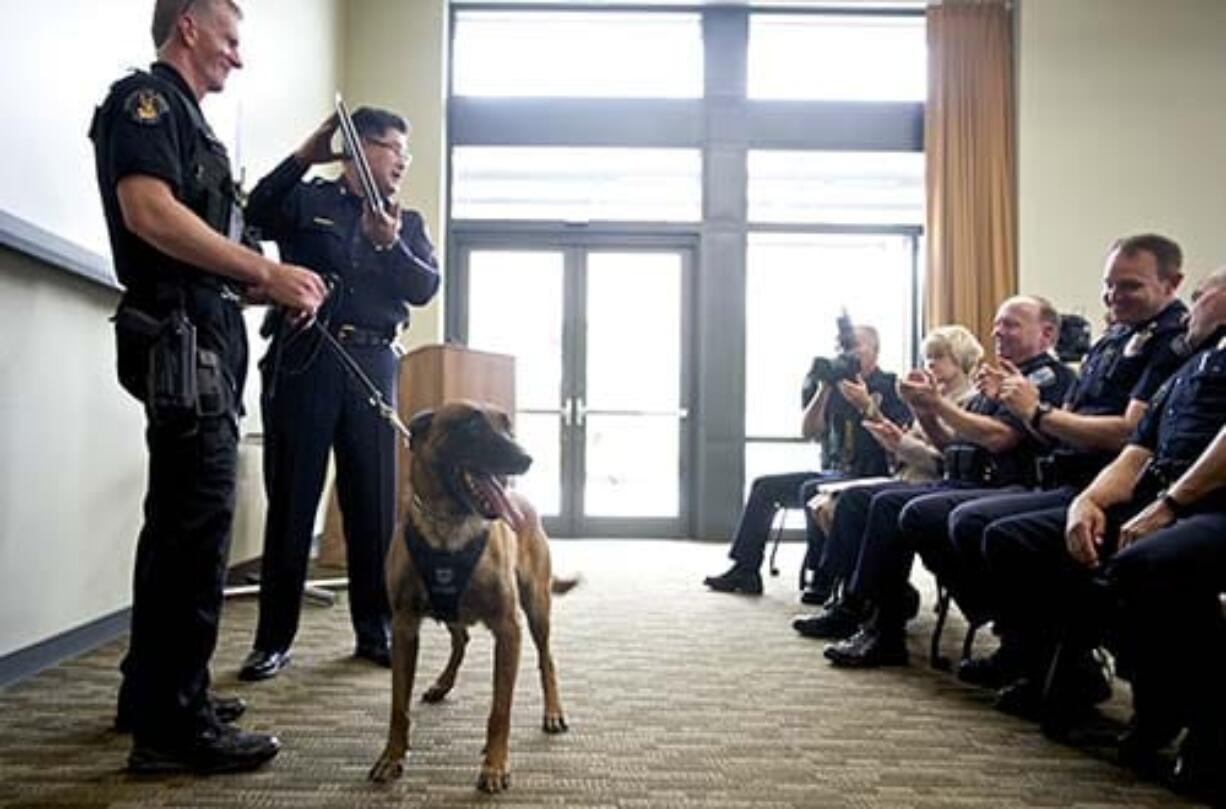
[{"x": 599, "y": 336}]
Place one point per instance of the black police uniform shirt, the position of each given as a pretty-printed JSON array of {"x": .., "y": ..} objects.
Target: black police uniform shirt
[
  {"x": 968, "y": 462},
  {"x": 318, "y": 225},
  {"x": 848, "y": 447},
  {"x": 1126, "y": 363},
  {"x": 1187, "y": 413},
  {"x": 151, "y": 124}
]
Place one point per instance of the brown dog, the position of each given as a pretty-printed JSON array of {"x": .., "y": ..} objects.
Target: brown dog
[{"x": 457, "y": 520}]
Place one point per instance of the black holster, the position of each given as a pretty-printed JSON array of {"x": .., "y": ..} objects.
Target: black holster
[
  {"x": 172, "y": 387},
  {"x": 161, "y": 364}
]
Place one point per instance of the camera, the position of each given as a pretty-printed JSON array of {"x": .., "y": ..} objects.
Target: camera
[{"x": 844, "y": 365}]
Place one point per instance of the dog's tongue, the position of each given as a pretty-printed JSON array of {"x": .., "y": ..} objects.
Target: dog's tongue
[{"x": 497, "y": 496}]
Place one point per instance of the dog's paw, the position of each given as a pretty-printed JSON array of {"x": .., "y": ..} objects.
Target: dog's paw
[
  {"x": 493, "y": 779},
  {"x": 435, "y": 693},
  {"x": 387, "y": 768},
  {"x": 554, "y": 723}
]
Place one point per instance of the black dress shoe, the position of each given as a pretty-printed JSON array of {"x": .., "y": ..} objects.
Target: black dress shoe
[
  {"x": 225, "y": 709},
  {"x": 869, "y": 648},
  {"x": 215, "y": 750},
  {"x": 819, "y": 590},
  {"x": 261, "y": 664},
  {"x": 994, "y": 671},
  {"x": 1139, "y": 747},
  {"x": 1198, "y": 767},
  {"x": 737, "y": 579},
  {"x": 1023, "y": 698},
  {"x": 836, "y": 622},
  {"x": 378, "y": 653}
]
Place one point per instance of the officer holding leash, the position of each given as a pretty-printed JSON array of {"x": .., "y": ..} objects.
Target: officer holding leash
[
  {"x": 170, "y": 204},
  {"x": 379, "y": 260}
]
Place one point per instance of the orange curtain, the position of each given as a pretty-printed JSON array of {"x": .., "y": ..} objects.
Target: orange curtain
[{"x": 971, "y": 179}]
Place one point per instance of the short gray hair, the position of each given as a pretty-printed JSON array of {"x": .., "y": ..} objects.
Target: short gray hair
[{"x": 167, "y": 12}]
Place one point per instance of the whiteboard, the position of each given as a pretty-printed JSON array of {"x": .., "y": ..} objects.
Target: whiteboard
[{"x": 58, "y": 60}]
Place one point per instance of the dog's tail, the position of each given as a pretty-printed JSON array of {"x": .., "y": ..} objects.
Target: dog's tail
[{"x": 558, "y": 585}]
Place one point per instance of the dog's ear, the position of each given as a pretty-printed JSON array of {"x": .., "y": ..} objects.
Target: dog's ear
[{"x": 419, "y": 425}]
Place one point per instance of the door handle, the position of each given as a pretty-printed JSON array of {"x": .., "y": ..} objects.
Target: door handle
[{"x": 680, "y": 412}]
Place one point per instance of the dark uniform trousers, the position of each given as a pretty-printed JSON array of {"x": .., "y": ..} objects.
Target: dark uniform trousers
[
  {"x": 884, "y": 563},
  {"x": 1172, "y": 641},
  {"x": 183, "y": 547},
  {"x": 306, "y": 414},
  {"x": 966, "y": 574},
  {"x": 842, "y": 547},
  {"x": 767, "y": 495}
]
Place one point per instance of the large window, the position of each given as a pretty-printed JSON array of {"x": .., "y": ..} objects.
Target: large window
[
  {"x": 837, "y": 57},
  {"x": 577, "y": 184},
  {"x": 776, "y": 157},
  {"x": 597, "y": 54},
  {"x": 836, "y": 188}
]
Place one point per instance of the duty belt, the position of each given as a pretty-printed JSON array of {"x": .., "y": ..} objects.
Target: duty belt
[{"x": 349, "y": 334}]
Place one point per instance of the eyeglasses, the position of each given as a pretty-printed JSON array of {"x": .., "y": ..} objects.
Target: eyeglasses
[{"x": 394, "y": 148}]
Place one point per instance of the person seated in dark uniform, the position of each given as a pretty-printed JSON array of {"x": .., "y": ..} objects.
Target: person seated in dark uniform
[
  {"x": 175, "y": 228},
  {"x": 379, "y": 263},
  {"x": 1152, "y": 527},
  {"x": 834, "y": 417},
  {"x": 985, "y": 448},
  {"x": 951, "y": 354},
  {"x": 1118, "y": 376}
]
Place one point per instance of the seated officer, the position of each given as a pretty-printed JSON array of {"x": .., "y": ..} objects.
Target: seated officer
[
  {"x": 951, "y": 356},
  {"x": 1118, "y": 376},
  {"x": 381, "y": 262},
  {"x": 985, "y": 448},
  {"x": 833, "y": 417},
  {"x": 1151, "y": 526}
]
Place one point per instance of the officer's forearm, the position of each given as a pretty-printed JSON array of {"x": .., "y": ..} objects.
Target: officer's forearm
[
  {"x": 151, "y": 211},
  {"x": 1093, "y": 432},
  {"x": 989, "y": 433},
  {"x": 1115, "y": 484},
  {"x": 1207, "y": 475}
]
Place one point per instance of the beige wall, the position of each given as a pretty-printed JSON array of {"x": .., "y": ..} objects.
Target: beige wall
[
  {"x": 1122, "y": 113},
  {"x": 394, "y": 58},
  {"x": 72, "y": 460}
]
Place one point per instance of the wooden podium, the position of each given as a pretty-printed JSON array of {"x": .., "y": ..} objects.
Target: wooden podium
[{"x": 430, "y": 376}]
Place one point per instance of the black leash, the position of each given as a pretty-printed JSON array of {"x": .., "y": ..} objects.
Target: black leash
[{"x": 374, "y": 395}]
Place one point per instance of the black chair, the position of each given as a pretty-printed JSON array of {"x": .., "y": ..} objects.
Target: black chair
[{"x": 935, "y": 658}]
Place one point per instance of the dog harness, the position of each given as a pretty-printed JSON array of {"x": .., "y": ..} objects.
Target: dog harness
[{"x": 445, "y": 573}]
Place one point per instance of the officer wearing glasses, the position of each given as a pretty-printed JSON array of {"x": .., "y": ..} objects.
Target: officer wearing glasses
[{"x": 378, "y": 264}]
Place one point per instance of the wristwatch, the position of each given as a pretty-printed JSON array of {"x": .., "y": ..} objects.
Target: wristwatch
[
  {"x": 1174, "y": 506},
  {"x": 1040, "y": 411}
]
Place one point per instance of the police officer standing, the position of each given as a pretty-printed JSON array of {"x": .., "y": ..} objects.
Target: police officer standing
[
  {"x": 378, "y": 264},
  {"x": 170, "y": 202}
]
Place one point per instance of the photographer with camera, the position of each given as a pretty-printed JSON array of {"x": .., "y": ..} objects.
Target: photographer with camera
[{"x": 841, "y": 393}]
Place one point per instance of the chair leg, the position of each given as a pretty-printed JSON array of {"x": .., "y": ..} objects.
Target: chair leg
[
  {"x": 935, "y": 658},
  {"x": 777, "y": 523},
  {"x": 968, "y": 642}
]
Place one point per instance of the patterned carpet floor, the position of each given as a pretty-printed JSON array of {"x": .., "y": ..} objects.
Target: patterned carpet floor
[{"x": 676, "y": 697}]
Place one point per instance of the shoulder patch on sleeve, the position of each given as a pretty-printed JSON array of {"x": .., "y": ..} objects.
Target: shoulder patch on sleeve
[
  {"x": 1042, "y": 376},
  {"x": 146, "y": 106}
]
